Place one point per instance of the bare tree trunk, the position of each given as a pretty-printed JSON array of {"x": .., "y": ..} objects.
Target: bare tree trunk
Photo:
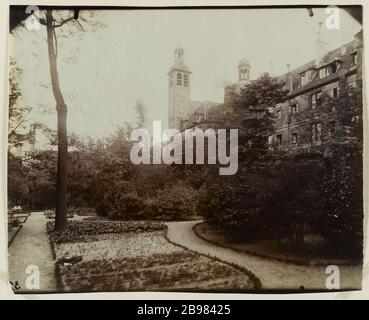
[{"x": 61, "y": 108}]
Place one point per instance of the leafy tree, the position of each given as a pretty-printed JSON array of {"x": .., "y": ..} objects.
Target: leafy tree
[
  {"x": 294, "y": 202},
  {"x": 284, "y": 197},
  {"x": 18, "y": 112},
  {"x": 235, "y": 203},
  {"x": 342, "y": 184},
  {"x": 251, "y": 115},
  {"x": 53, "y": 20}
]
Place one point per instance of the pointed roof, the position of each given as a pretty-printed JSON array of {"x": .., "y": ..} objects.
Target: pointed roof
[
  {"x": 244, "y": 62},
  {"x": 179, "y": 64}
]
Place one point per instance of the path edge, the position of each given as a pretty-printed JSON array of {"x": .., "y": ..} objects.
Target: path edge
[
  {"x": 264, "y": 256},
  {"x": 254, "y": 279}
]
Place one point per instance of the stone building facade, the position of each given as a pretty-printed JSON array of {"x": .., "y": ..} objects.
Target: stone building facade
[
  {"x": 180, "y": 105},
  {"x": 301, "y": 124}
]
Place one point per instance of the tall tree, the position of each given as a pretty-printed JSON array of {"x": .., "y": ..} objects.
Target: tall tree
[
  {"x": 52, "y": 24},
  {"x": 251, "y": 114},
  {"x": 61, "y": 108}
]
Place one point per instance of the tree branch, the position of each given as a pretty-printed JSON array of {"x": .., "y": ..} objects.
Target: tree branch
[
  {"x": 63, "y": 22},
  {"x": 42, "y": 21},
  {"x": 13, "y": 131},
  {"x": 80, "y": 25}
]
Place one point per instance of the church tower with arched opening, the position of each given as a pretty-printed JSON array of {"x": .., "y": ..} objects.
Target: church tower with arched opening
[
  {"x": 230, "y": 91},
  {"x": 179, "y": 87},
  {"x": 244, "y": 71}
]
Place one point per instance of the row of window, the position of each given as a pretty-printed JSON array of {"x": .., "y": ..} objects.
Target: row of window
[
  {"x": 316, "y": 133},
  {"x": 328, "y": 70},
  {"x": 185, "y": 79},
  {"x": 305, "y": 77},
  {"x": 316, "y": 100}
]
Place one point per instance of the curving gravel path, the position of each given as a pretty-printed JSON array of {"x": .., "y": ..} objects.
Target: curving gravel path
[
  {"x": 272, "y": 274},
  {"x": 31, "y": 246}
]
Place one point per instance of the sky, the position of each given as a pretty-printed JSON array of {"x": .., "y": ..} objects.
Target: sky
[{"x": 124, "y": 56}]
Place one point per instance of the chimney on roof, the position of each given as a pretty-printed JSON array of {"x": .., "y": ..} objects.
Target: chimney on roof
[
  {"x": 343, "y": 47},
  {"x": 321, "y": 48},
  {"x": 289, "y": 80}
]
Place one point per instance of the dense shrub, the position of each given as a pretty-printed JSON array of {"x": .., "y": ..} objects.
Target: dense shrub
[
  {"x": 234, "y": 207},
  {"x": 295, "y": 203},
  {"x": 342, "y": 189},
  {"x": 176, "y": 203},
  {"x": 275, "y": 201},
  {"x": 288, "y": 199},
  {"x": 78, "y": 229},
  {"x": 124, "y": 206},
  {"x": 43, "y": 196},
  {"x": 101, "y": 209}
]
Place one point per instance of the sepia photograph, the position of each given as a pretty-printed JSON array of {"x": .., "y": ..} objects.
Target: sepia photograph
[{"x": 188, "y": 149}]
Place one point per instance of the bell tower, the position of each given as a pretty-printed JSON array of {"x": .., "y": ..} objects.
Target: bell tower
[
  {"x": 244, "y": 71},
  {"x": 179, "y": 90}
]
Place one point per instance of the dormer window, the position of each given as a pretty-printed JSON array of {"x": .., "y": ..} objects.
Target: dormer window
[
  {"x": 290, "y": 83},
  {"x": 333, "y": 68},
  {"x": 322, "y": 73},
  {"x": 354, "y": 58},
  {"x": 303, "y": 79},
  {"x": 199, "y": 117}
]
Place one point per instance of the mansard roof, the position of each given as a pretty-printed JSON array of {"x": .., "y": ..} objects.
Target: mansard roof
[{"x": 341, "y": 54}]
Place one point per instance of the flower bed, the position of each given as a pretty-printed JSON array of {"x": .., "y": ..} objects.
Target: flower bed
[
  {"x": 177, "y": 271},
  {"x": 80, "y": 230},
  {"x": 110, "y": 246},
  {"x": 135, "y": 256}
]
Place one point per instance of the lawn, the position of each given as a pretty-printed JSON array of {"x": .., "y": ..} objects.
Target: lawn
[{"x": 135, "y": 256}]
